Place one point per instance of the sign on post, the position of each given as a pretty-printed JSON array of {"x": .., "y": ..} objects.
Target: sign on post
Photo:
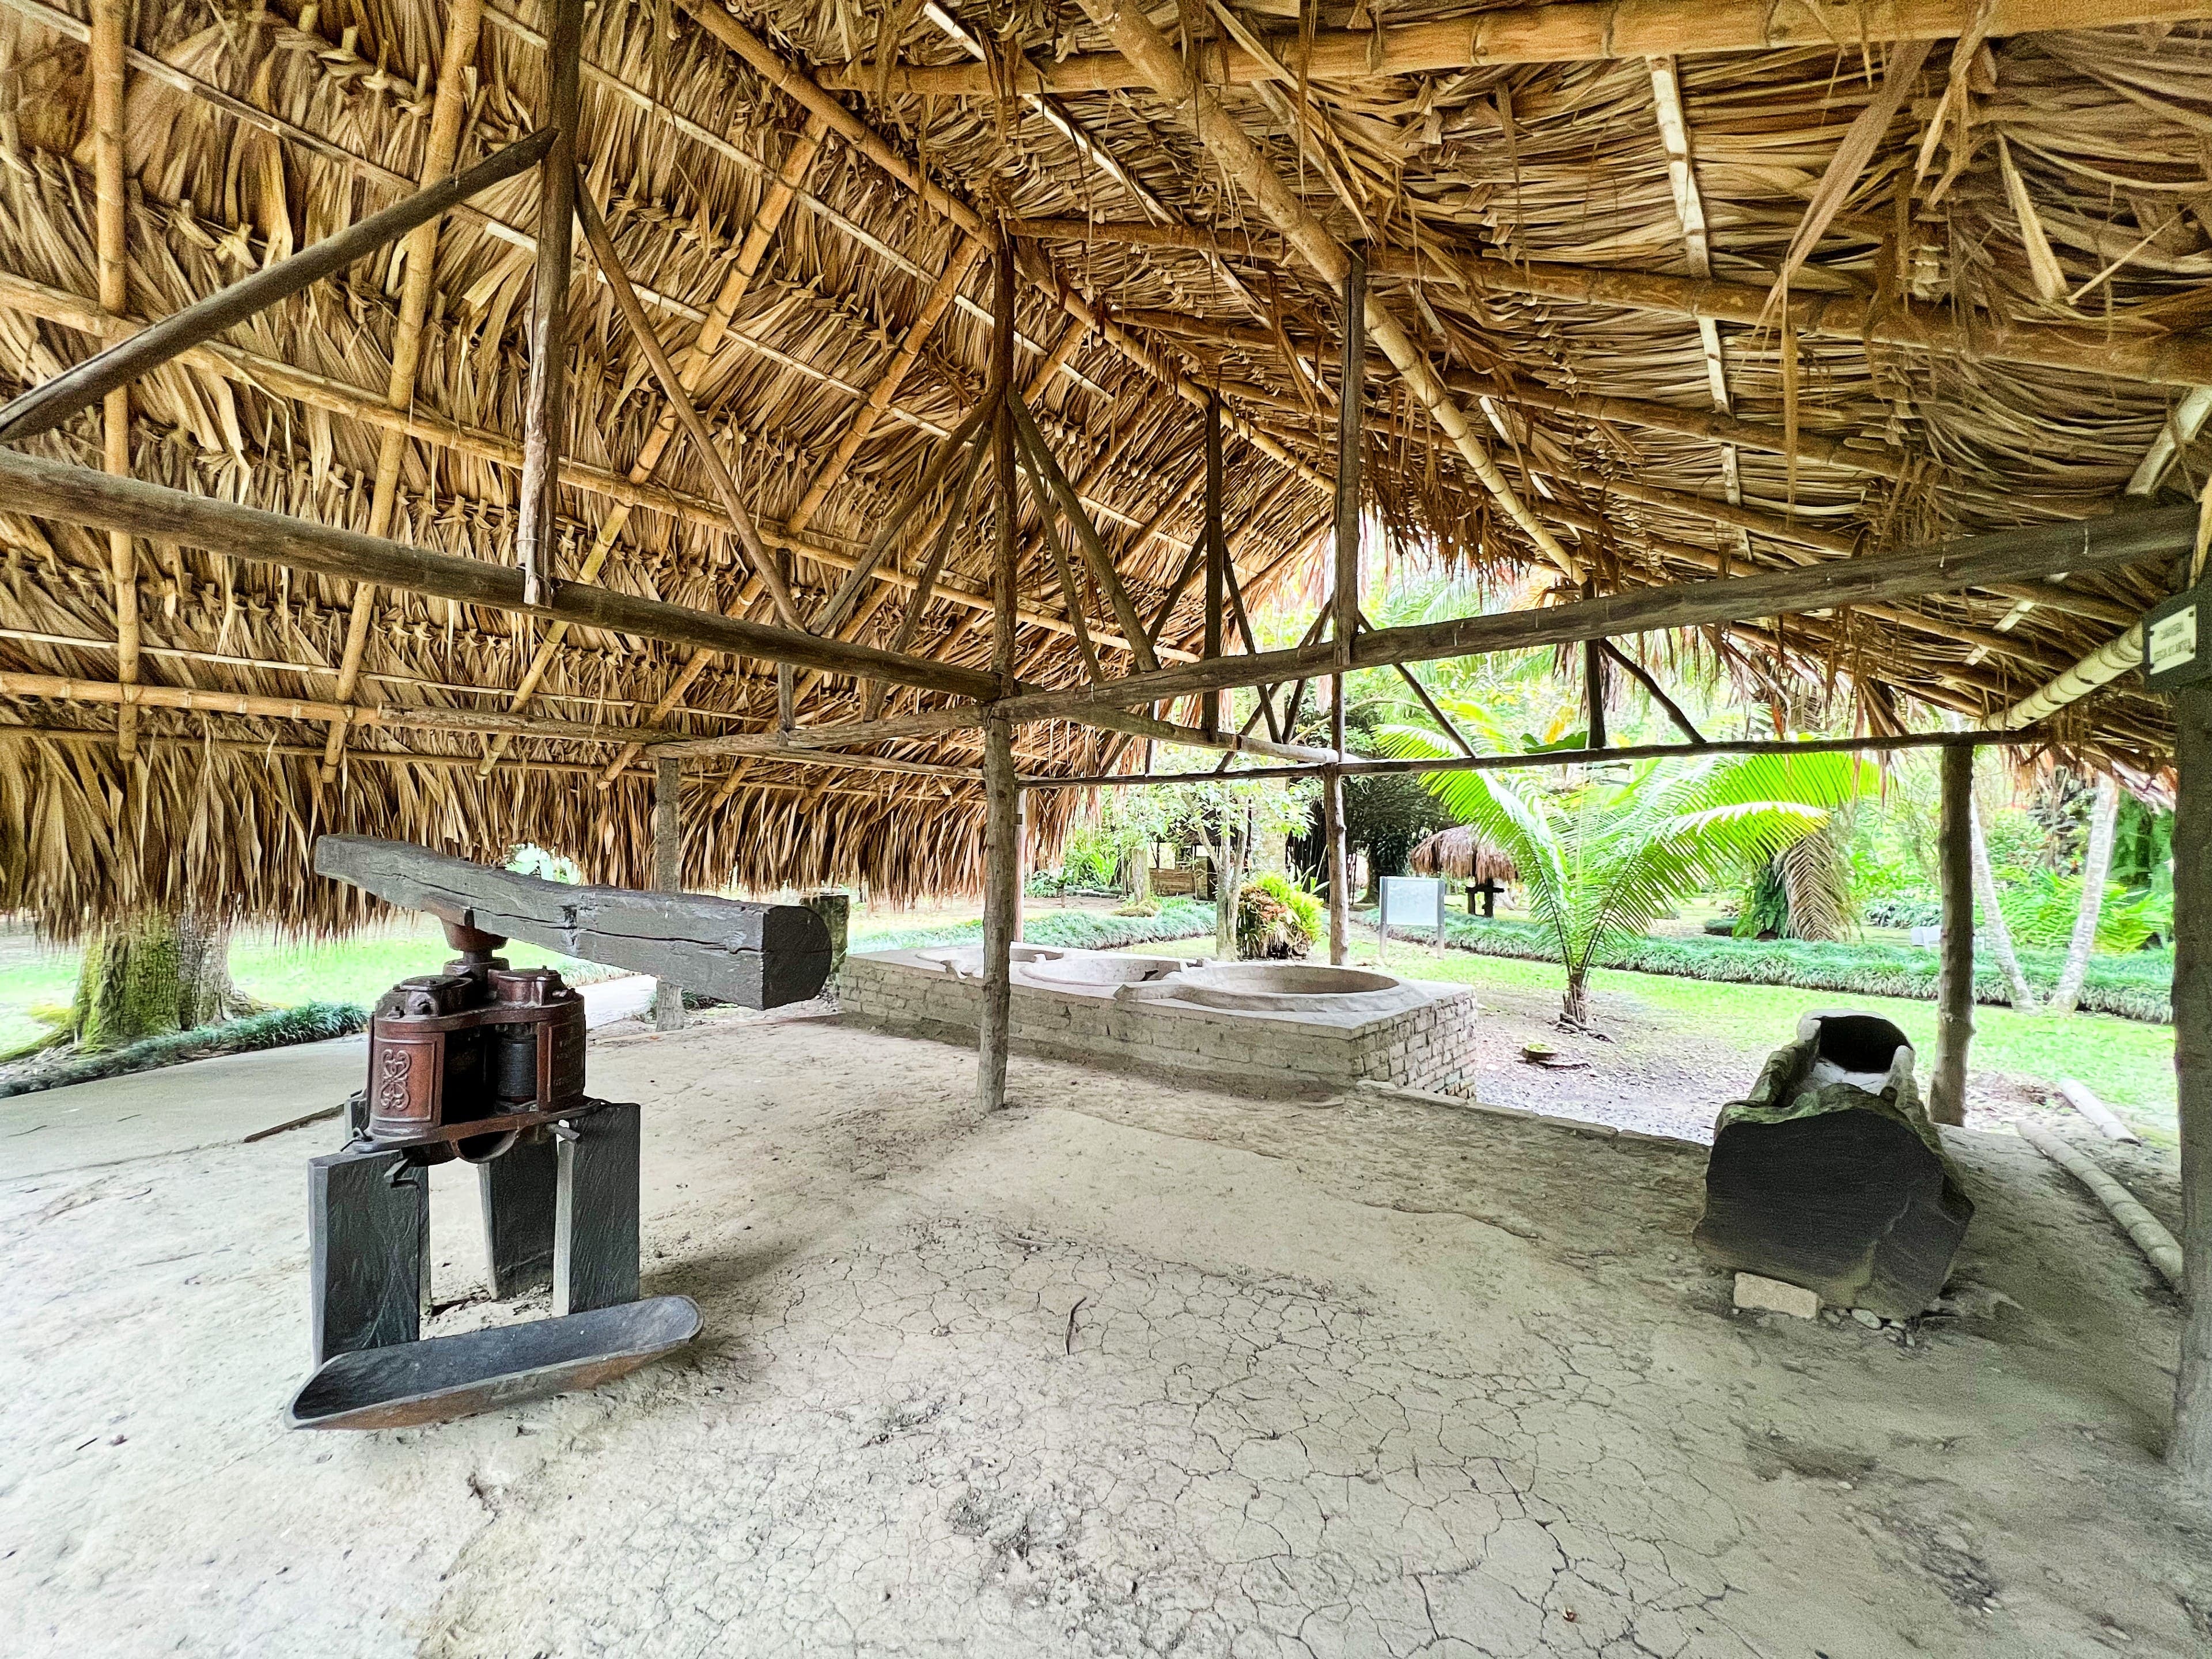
[{"x": 1412, "y": 902}]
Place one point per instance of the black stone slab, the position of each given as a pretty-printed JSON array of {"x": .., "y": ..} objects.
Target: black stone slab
[
  {"x": 595, "y": 1231},
  {"x": 520, "y": 1190},
  {"x": 368, "y": 1218}
]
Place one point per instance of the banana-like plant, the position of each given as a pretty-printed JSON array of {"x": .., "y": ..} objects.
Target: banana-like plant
[{"x": 1603, "y": 855}]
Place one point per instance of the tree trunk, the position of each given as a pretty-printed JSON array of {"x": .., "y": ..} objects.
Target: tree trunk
[
  {"x": 1986, "y": 888},
  {"x": 150, "y": 976},
  {"x": 2096, "y": 869},
  {"x": 1228, "y": 884},
  {"x": 1954, "y": 981},
  {"x": 1574, "y": 1006}
]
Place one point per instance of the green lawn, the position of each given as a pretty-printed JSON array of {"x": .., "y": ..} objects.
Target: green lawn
[
  {"x": 2127, "y": 1062},
  {"x": 276, "y": 969}
]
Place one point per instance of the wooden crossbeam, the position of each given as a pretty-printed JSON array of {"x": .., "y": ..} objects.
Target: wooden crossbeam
[{"x": 1574, "y": 30}]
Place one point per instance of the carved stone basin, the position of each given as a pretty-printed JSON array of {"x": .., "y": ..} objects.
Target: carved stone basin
[
  {"x": 1291, "y": 988},
  {"x": 1099, "y": 970},
  {"x": 966, "y": 960}
]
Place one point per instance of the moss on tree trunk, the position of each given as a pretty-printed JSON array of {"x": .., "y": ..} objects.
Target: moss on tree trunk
[{"x": 150, "y": 976}]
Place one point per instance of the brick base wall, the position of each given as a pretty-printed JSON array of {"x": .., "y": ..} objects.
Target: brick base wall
[{"x": 1429, "y": 1047}]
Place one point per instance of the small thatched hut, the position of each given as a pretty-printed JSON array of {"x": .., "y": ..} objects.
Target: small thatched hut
[{"x": 1457, "y": 855}]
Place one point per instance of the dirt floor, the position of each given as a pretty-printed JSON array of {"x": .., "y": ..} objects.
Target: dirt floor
[{"x": 1130, "y": 1368}]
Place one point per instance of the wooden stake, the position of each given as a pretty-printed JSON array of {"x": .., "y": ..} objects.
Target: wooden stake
[
  {"x": 1954, "y": 981},
  {"x": 2189, "y": 1450},
  {"x": 544, "y": 403},
  {"x": 667, "y": 872}
]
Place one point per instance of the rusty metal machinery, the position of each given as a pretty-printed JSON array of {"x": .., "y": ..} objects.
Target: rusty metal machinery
[{"x": 486, "y": 1063}]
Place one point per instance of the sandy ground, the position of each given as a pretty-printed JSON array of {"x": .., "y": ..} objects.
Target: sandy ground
[{"x": 1130, "y": 1368}]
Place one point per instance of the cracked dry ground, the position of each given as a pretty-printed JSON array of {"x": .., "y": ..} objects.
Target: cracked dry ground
[{"x": 1131, "y": 1368}]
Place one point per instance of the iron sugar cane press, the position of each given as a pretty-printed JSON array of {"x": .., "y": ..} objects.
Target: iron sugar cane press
[{"x": 485, "y": 1063}]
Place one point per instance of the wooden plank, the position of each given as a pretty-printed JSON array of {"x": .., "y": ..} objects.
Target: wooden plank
[
  {"x": 517, "y": 1191},
  {"x": 758, "y": 955},
  {"x": 74, "y": 494},
  {"x": 47, "y": 405},
  {"x": 595, "y": 1227},
  {"x": 369, "y": 1267}
]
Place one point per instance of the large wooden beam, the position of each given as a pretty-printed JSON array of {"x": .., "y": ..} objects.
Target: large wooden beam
[
  {"x": 74, "y": 495},
  {"x": 46, "y": 406},
  {"x": 2004, "y": 556},
  {"x": 758, "y": 955},
  {"x": 110, "y": 30},
  {"x": 1578, "y": 31}
]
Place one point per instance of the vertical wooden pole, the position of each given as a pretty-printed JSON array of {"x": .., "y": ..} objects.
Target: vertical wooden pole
[
  {"x": 1001, "y": 805},
  {"x": 668, "y": 870},
  {"x": 111, "y": 23},
  {"x": 2189, "y": 1450},
  {"x": 1344, "y": 595},
  {"x": 544, "y": 406},
  {"x": 1954, "y": 979},
  {"x": 1217, "y": 560},
  {"x": 1594, "y": 680},
  {"x": 1353, "y": 388}
]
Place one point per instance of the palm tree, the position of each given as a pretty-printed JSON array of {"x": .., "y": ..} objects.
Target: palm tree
[{"x": 1601, "y": 857}]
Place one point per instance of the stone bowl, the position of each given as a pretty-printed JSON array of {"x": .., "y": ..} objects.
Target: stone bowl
[{"x": 1293, "y": 988}]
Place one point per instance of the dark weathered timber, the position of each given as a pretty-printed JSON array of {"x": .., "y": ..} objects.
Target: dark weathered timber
[
  {"x": 757, "y": 956},
  {"x": 1642, "y": 676},
  {"x": 517, "y": 1189},
  {"x": 2189, "y": 1450},
  {"x": 1954, "y": 977},
  {"x": 451, "y": 1377},
  {"x": 368, "y": 1263},
  {"x": 1830, "y": 1176},
  {"x": 1001, "y": 888},
  {"x": 46, "y": 406},
  {"x": 2007, "y": 556},
  {"x": 595, "y": 1224},
  {"x": 75, "y": 494}
]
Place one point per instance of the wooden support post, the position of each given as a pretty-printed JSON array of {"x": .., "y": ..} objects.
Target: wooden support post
[
  {"x": 1002, "y": 863},
  {"x": 668, "y": 872},
  {"x": 1954, "y": 981},
  {"x": 2190, "y": 1449},
  {"x": 544, "y": 403},
  {"x": 1338, "y": 866},
  {"x": 1344, "y": 598},
  {"x": 1594, "y": 684},
  {"x": 111, "y": 22},
  {"x": 1216, "y": 561},
  {"x": 595, "y": 1222}
]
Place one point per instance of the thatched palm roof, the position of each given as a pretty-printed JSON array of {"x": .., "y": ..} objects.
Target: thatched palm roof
[
  {"x": 1455, "y": 853},
  {"x": 2060, "y": 201}
]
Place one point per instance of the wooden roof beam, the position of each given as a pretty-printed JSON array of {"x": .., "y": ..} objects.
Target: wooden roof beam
[
  {"x": 1576, "y": 30},
  {"x": 1167, "y": 75},
  {"x": 1973, "y": 562},
  {"x": 71, "y": 494}
]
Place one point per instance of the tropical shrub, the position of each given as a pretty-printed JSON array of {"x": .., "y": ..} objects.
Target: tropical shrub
[
  {"x": 2040, "y": 907},
  {"x": 1602, "y": 856},
  {"x": 1276, "y": 918}
]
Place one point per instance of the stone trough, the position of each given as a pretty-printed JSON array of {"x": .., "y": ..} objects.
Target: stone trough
[{"x": 1277, "y": 1028}]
